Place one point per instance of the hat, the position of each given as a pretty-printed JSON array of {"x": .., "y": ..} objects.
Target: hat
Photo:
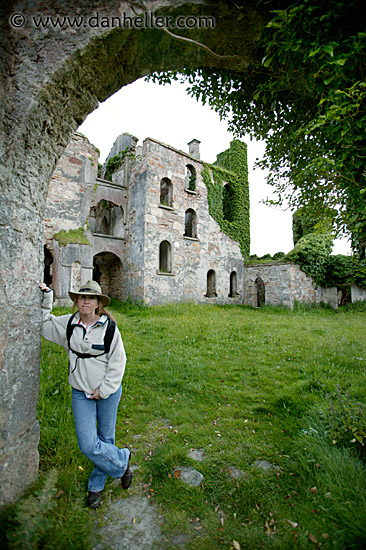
[{"x": 91, "y": 288}]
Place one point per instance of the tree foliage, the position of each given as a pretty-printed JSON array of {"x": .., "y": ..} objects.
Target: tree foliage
[
  {"x": 312, "y": 253},
  {"x": 304, "y": 94},
  {"x": 304, "y": 222}
]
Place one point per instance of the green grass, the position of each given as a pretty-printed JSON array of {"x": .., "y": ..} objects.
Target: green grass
[{"x": 243, "y": 385}]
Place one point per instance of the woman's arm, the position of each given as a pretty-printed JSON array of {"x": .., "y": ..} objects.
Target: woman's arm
[
  {"x": 116, "y": 367},
  {"x": 53, "y": 328}
]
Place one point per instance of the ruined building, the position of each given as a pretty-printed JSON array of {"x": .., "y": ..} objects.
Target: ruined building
[{"x": 145, "y": 230}]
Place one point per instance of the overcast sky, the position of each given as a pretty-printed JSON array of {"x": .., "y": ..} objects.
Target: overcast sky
[{"x": 168, "y": 114}]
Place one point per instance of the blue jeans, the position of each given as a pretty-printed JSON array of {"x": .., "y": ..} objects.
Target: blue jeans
[{"x": 95, "y": 424}]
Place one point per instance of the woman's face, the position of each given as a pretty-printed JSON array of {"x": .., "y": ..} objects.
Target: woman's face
[{"x": 87, "y": 304}]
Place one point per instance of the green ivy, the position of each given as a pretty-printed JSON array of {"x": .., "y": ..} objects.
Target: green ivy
[
  {"x": 114, "y": 163},
  {"x": 228, "y": 193}
]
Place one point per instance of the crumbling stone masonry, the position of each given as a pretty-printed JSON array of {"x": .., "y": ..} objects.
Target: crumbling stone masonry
[
  {"x": 150, "y": 234},
  {"x": 283, "y": 284}
]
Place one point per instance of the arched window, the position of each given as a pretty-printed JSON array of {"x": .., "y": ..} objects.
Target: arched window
[
  {"x": 260, "y": 292},
  {"x": 190, "y": 227},
  {"x": 165, "y": 257},
  {"x": 233, "y": 285},
  {"x": 191, "y": 177},
  {"x": 211, "y": 284},
  {"x": 118, "y": 229},
  {"x": 228, "y": 203},
  {"x": 106, "y": 218},
  {"x": 166, "y": 192}
]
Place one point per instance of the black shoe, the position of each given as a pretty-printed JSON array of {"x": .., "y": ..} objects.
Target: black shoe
[
  {"x": 127, "y": 476},
  {"x": 94, "y": 499}
]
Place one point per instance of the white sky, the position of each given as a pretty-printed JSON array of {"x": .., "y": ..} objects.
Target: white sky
[{"x": 169, "y": 115}]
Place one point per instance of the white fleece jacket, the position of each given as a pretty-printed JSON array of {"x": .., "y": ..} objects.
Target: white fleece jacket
[{"x": 104, "y": 372}]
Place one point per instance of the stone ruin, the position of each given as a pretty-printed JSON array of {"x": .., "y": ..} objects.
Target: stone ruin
[
  {"x": 51, "y": 79},
  {"x": 150, "y": 236}
]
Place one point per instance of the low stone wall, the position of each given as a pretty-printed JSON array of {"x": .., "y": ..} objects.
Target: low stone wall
[
  {"x": 283, "y": 284},
  {"x": 357, "y": 293}
]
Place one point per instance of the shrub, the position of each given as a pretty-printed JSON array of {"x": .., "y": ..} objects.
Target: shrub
[
  {"x": 312, "y": 253},
  {"x": 279, "y": 255},
  {"x": 338, "y": 270}
]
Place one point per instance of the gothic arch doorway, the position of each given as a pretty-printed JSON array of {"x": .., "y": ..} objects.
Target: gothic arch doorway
[
  {"x": 260, "y": 292},
  {"x": 108, "y": 272}
]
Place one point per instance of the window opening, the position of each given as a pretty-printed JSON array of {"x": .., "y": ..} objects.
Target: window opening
[
  {"x": 190, "y": 228},
  {"x": 166, "y": 192},
  {"x": 228, "y": 203},
  {"x": 191, "y": 177},
  {"x": 233, "y": 285},
  {"x": 211, "y": 284},
  {"x": 165, "y": 257},
  {"x": 260, "y": 292}
]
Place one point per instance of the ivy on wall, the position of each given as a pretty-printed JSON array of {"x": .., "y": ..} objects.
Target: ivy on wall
[
  {"x": 114, "y": 163},
  {"x": 228, "y": 193}
]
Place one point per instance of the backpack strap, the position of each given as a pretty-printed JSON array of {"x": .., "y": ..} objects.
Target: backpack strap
[
  {"x": 109, "y": 333},
  {"x": 108, "y": 337},
  {"x": 69, "y": 330}
]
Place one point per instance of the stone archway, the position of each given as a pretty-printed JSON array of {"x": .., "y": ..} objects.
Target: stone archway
[
  {"x": 260, "y": 292},
  {"x": 107, "y": 271},
  {"x": 52, "y": 78}
]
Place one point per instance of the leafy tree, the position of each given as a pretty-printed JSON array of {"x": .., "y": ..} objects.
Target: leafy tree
[
  {"x": 304, "y": 93},
  {"x": 304, "y": 222}
]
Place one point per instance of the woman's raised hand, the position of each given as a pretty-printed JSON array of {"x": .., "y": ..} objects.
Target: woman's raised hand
[{"x": 44, "y": 287}]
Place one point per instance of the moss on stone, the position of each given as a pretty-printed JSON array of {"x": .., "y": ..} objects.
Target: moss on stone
[{"x": 73, "y": 236}]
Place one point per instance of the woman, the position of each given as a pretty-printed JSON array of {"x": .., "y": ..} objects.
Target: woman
[{"x": 95, "y": 375}]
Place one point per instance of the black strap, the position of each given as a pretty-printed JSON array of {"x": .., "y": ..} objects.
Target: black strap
[{"x": 108, "y": 337}]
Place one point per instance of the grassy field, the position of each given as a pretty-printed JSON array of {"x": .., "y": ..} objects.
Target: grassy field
[{"x": 242, "y": 385}]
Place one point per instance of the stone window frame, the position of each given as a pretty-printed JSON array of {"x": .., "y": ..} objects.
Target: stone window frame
[
  {"x": 211, "y": 291},
  {"x": 260, "y": 292},
  {"x": 105, "y": 225},
  {"x": 233, "y": 288},
  {"x": 191, "y": 179},
  {"x": 192, "y": 226},
  {"x": 166, "y": 193},
  {"x": 165, "y": 258}
]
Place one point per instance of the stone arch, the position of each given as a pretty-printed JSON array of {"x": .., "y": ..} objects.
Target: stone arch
[
  {"x": 233, "y": 293},
  {"x": 166, "y": 192},
  {"x": 190, "y": 224},
  {"x": 107, "y": 218},
  {"x": 191, "y": 177},
  {"x": 260, "y": 292},
  {"x": 165, "y": 257},
  {"x": 52, "y": 81},
  {"x": 211, "y": 284},
  {"x": 108, "y": 272}
]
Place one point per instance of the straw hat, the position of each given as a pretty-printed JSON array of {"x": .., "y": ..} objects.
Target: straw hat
[{"x": 91, "y": 288}]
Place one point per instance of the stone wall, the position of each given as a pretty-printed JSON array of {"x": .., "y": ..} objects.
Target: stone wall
[
  {"x": 357, "y": 293},
  {"x": 284, "y": 284},
  {"x": 71, "y": 187},
  {"x": 191, "y": 257}
]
